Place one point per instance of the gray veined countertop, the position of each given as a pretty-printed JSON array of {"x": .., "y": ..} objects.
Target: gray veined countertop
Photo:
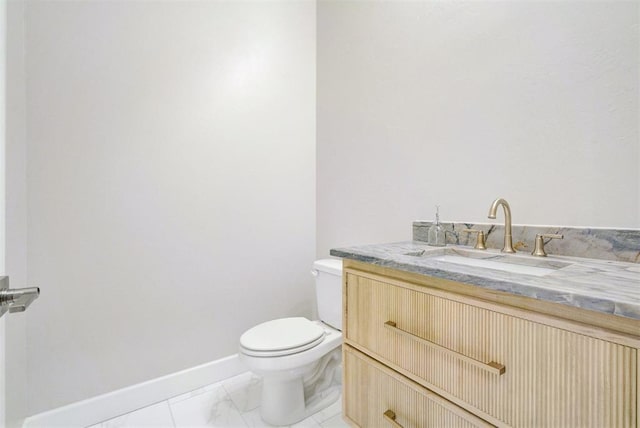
[{"x": 604, "y": 286}]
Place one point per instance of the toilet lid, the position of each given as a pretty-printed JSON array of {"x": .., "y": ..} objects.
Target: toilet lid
[{"x": 281, "y": 334}]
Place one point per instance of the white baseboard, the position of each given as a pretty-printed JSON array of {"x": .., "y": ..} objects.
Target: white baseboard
[{"x": 106, "y": 406}]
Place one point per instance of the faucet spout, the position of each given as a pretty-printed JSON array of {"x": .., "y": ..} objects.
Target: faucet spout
[{"x": 508, "y": 243}]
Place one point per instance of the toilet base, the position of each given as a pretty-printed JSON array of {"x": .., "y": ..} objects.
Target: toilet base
[
  {"x": 286, "y": 401},
  {"x": 282, "y": 401},
  {"x": 278, "y": 412}
]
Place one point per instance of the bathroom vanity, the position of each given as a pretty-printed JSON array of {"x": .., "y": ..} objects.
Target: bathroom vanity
[{"x": 433, "y": 342}]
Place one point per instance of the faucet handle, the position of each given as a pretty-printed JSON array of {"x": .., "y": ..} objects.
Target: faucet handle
[
  {"x": 480, "y": 243},
  {"x": 539, "y": 247}
]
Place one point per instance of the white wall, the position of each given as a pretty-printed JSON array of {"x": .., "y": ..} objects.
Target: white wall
[
  {"x": 170, "y": 160},
  {"x": 3, "y": 12},
  {"x": 16, "y": 211},
  {"x": 171, "y": 184},
  {"x": 457, "y": 103}
]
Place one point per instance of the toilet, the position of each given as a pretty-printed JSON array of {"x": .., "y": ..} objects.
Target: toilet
[{"x": 299, "y": 359}]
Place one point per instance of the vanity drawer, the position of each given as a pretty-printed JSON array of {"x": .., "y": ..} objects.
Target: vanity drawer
[
  {"x": 508, "y": 370},
  {"x": 376, "y": 396}
]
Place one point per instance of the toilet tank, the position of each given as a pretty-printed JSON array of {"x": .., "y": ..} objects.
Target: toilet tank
[{"x": 328, "y": 274}]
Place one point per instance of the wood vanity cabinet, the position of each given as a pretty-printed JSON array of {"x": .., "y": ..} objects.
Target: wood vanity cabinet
[{"x": 418, "y": 354}]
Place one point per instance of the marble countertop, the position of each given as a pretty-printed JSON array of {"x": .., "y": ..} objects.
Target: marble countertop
[{"x": 610, "y": 287}]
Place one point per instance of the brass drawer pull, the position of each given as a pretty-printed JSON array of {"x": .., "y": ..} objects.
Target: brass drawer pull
[
  {"x": 491, "y": 367},
  {"x": 390, "y": 417}
]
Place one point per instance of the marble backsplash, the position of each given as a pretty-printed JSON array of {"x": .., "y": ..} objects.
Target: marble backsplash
[{"x": 606, "y": 244}]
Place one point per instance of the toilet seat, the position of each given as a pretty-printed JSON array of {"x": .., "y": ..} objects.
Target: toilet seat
[{"x": 281, "y": 337}]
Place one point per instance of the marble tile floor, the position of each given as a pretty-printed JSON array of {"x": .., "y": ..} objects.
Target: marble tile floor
[{"x": 231, "y": 403}]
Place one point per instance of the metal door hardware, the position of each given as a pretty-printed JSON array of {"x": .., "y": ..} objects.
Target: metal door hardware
[{"x": 16, "y": 300}]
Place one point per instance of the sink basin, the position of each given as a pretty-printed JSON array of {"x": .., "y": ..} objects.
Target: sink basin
[{"x": 522, "y": 265}]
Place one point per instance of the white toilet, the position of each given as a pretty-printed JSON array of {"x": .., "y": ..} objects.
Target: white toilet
[{"x": 298, "y": 359}]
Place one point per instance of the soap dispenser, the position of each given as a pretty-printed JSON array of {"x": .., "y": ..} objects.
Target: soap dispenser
[{"x": 435, "y": 236}]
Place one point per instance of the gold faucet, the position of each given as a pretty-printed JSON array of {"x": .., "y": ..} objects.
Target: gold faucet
[
  {"x": 539, "y": 249},
  {"x": 508, "y": 243}
]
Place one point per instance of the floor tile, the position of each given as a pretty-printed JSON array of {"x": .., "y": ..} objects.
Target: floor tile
[
  {"x": 254, "y": 420},
  {"x": 213, "y": 408},
  {"x": 244, "y": 390},
  {"x": 218, "y": 405},
  {"x": 194, "y": 393},
  {"x": 157, "y": 415},
  {"x": 329, "y": 412},
  {"x": 307, "y": 423},
  {"x": 335, "y": 422}
]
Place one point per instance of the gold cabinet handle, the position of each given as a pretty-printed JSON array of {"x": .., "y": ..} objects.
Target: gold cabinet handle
[
  {"x": 491, "y": 367},
  {"x": 390, "y": 417}
]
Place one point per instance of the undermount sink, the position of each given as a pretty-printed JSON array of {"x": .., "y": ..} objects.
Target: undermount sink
[{"x": 504, "y": 262}]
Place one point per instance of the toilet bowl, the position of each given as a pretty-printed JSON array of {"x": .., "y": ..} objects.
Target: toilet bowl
[{"x": 299, "y": 359}]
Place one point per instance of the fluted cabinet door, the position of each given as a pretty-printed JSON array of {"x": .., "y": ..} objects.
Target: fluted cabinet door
[
  {"x": 375, "y": 396},
  {"x": 505, "y": 369}
]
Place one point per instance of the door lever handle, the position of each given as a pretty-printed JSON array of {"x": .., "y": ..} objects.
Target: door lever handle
[
  {"x": 19, "y": 299},
  {"x": 16, "y": 300}
]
